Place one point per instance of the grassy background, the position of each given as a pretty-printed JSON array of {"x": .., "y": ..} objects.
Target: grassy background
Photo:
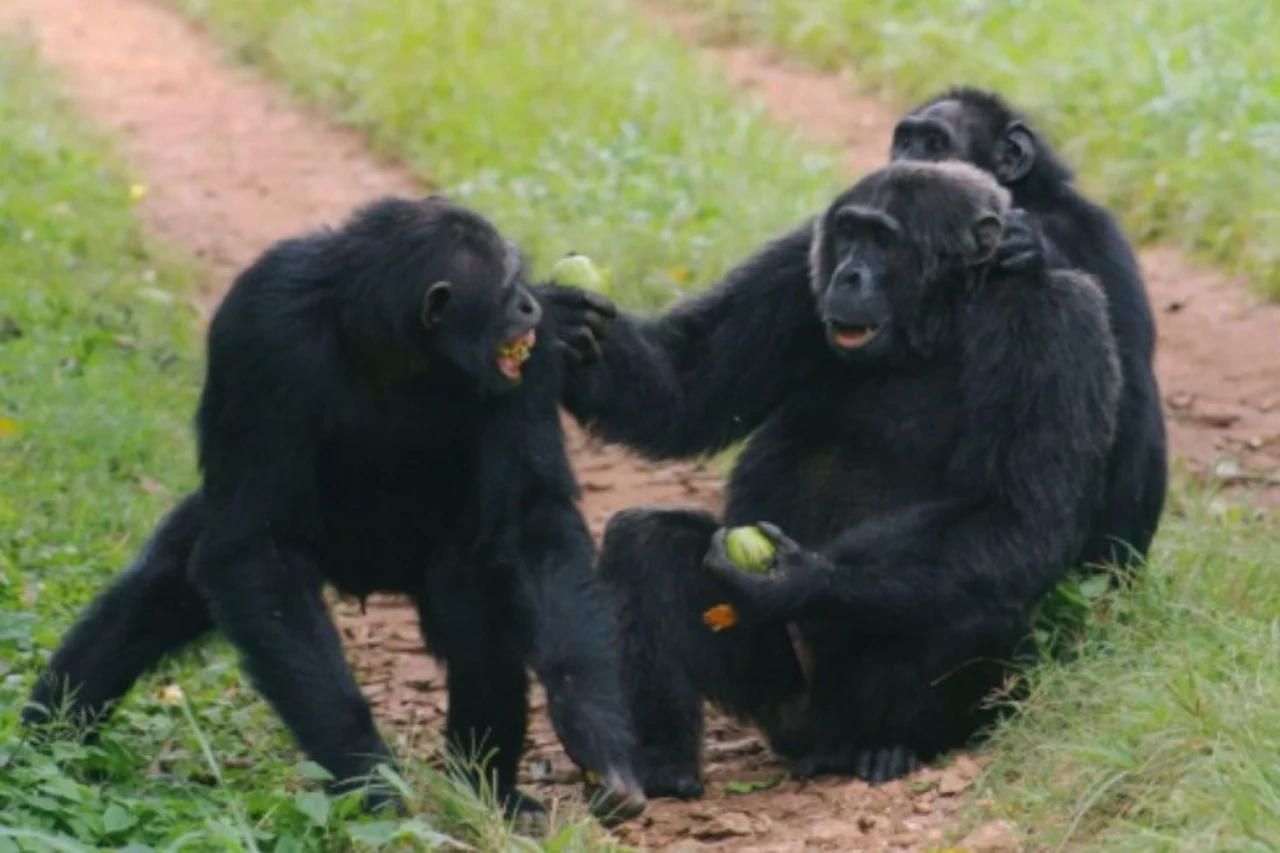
[
  {"x": 1162, "y": 734},
  {"x": 1169, "y": 109},
  {"x": 576, "y": 124},
  {"x": 100, "y": 364}
]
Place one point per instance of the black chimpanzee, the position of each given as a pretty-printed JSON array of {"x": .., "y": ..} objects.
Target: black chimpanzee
[
  {"x": 934, "y": 410},
  {"x": 380, "y": 414},
  {"x": 978, "y": 127}
]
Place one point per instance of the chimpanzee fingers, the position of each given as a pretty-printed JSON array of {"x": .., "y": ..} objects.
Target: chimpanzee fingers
[
  {"x": 380, "y": 798},
  {"x": 614, "y": 799},
  {"x": 576, "y": 299},
  {"x": 805, "y": 768},
  {"x": 1022, "y": 248},
  {"x": 1022, "y": 262},
  {"x": 584, "y": 343},
  {"x": 717, "y": 557},
  {"x": 877, "y": 765},
  {"x": 718, "y": 562},
  {"x": 566, "y": 350},
  {"x": 862, "y": 763},
  {"x": 598, "y": 324},
  {"x": 579, "y": 345},
  {"x": 785, "y": 545},
  {"x": 599, "y": 303},
  {"x": 892, "y": 762}
]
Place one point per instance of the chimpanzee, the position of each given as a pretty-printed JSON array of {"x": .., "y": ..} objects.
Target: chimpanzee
[
  {"x": 380, "y": 414},
  {"x": 978, "y": 127},
  {"x": 934, "y": 410}
]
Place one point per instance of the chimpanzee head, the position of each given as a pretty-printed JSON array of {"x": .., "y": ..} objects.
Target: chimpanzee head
[
  {"x": 896, "y": 246},
  {"x": 980, "y": 128},
  {"x": 439, "y": 288}
]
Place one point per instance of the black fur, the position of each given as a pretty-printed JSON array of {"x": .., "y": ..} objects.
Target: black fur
[
  {"x": 355, "y": 430},
  {"x": 980, "y": 128},
  {"x": 938, "y": 479}
]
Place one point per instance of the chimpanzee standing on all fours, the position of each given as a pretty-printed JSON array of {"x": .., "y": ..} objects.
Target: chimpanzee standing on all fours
[{"x": 380, "y": 414}]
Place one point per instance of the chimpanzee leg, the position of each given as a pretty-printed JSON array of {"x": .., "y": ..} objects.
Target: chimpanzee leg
[
  {"x": 150, "y": 611},
  {"x": 652, "y": 560},
  {"x": 477, "y": 633},
  {"x": 266, "y": 599},
  {"x": 575, "y": 653},
  {"x": 897, "y": 702}
]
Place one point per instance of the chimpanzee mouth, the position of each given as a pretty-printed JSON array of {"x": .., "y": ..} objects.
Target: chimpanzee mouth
[
  {"x": 514, "y": 353},
  {"x": 851, "y": 337}
]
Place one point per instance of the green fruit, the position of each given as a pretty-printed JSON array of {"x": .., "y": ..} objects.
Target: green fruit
[
  {"x": 749, "y": 549},
  {"x": 576, "y": 270}
]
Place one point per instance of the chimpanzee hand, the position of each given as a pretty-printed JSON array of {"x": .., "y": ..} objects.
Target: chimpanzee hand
[
  {"x": 1023, "y": 249},
  {"x": 763, "y": 595},
  {"x": 578, "y": 319}
]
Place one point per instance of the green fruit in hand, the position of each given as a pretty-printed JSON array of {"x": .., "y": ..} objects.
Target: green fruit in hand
[
  {"x": 749, "y": 549},
  {"x": 576, "y": 270}
]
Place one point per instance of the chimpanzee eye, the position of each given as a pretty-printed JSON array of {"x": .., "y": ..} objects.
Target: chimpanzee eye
[
  {"x": 846, "y": 224},
  {"x": 937, "y": 142}
]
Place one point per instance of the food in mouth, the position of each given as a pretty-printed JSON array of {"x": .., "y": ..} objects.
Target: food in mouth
[
  {"x": 851, "y": 336},
  {"x": 514, "y": 353}
]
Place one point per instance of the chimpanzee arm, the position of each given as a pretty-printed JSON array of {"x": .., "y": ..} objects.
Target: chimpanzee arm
[
  {"x": 710, "y": 370},
  {"x": 1023, "y": 482},
  {"x": 573, "y": 645}
]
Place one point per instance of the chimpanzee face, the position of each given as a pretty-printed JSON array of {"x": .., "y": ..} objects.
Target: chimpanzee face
[
  {"x": 863, "y": 252},
  {"x": 484, "y": 319},
  {"x": 950, "y": 129},
  {"x": 894, "y": 239}
]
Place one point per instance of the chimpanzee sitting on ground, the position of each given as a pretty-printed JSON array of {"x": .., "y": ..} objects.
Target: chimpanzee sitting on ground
[
  {"x": 934, "y": 418},
  {"x": 380, "y": 414},
  {"x": 980, "y": 128}
]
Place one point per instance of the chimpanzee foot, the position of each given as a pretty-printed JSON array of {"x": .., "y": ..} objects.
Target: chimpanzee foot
[
  {"x": 527, "y": 814},
  {"x": 885, "y": 763},
  {"x": 666, "y": 775},
  {"x": 377, "y": 795},
  {"x": 874, "y": 765},
  {"x": 516, "y": 803},
  {"x": 384, "y": 800},
  {"x": 614, "y": 798}
]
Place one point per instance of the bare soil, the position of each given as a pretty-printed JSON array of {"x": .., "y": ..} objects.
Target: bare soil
[{"x": 231, "y": 165}]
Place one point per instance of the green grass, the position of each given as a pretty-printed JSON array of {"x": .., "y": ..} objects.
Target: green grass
[
  {"x": 574, "y": 123},
  {"x": 99, "y": 362},
  {"x": 1162, "y": 735},
  {"x": 1169, "y": 109}
]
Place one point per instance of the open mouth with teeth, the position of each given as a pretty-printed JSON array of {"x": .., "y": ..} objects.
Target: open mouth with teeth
[
  {"x": 514, "y": 353},
  {"x": 851, "y": 337}
]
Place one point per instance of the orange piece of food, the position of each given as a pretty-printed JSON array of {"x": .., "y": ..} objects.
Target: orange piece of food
[{"x": 720, "y": 617}]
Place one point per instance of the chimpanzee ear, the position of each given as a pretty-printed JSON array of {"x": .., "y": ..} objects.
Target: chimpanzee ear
[
  {"x": 987, "y": 232},
  {"x": 434, "y": 303},
  {"x": 1016, "y": 153}
]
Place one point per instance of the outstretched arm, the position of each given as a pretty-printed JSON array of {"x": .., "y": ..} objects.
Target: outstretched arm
[
  {"x": 711, "y": 369},
  {"x": 1023, "y": 482}
]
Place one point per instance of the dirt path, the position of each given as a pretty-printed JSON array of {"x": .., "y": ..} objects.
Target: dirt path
[{"x": 232, "y": 165}]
